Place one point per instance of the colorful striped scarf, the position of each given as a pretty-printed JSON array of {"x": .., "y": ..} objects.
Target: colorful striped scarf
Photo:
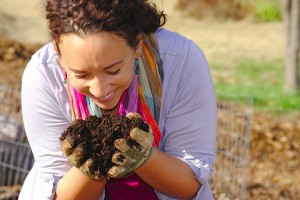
[{"x": 143, "y": 95}]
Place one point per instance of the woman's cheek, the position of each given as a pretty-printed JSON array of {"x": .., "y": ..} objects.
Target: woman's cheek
[{"x": 79, "y": 85}]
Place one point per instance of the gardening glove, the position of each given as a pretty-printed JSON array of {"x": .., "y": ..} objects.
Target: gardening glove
[
  {"x": 107, "y": 146},
  {"x": 74, "y": 150},
  {"x": 76, "y": 144},
  {"x": 83, "y": 160},
  {"x": 130, "y": 157}
]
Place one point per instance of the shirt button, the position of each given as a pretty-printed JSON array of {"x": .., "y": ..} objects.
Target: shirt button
[
  {"x": 203, "y": 162},
  {"x": 47, "y": 179}
]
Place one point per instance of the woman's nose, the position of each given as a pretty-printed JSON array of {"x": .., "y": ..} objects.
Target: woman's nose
[{"x": 98, "y": 88}]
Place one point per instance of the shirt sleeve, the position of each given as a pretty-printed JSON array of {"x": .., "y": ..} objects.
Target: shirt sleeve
[
  {"x": 189, "y": 117},
  {"x": 45, "y": 115}
]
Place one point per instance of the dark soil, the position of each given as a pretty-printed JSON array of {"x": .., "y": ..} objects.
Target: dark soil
[{"x": 96, "y": 136}]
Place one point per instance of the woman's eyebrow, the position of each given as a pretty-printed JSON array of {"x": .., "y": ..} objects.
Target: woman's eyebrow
[
  {"x": 81, "y": 71},
  {"x": 76, "y": 71},
  {"x": 118, "y": 62}
]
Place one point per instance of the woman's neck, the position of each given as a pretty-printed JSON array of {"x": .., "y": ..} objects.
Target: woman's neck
[{"x": 113, "y": 111}]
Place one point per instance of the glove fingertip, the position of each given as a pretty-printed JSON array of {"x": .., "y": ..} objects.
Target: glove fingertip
[
  {"x": 133, "y": 115},
  {"x": 119, "y": 158},
  {"x": 143, "y": 138},
  {"x": 116, "y": 171},
  {"x": 78, "y": 156},
  {"x": 121, "y": 144},
  {"x": 67, "y": 145}
]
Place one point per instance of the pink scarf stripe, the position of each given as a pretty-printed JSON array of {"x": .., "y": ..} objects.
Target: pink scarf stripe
[
  {"x": 129, "y": 98},
  {"x": 81, "y": 105}
]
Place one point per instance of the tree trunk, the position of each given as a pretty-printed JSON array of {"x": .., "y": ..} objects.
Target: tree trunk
[{"x": 291, "y": 17}]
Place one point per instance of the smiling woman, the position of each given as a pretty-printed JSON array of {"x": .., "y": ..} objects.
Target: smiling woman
[
  {"x": 111, "y": 56},
  {"x": 95, "y": 72}
]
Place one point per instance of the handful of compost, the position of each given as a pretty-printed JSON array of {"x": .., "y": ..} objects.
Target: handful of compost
[{"x": 108, "y": 146}]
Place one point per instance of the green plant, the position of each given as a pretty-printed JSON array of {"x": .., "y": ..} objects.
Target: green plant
[
  {"x": 261, "y": 80},
  {"x": 267, "y": 11}
]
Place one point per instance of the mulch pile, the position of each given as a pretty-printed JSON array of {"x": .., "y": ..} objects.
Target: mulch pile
[
  {"x": 274, "y": 147},
  {"x": 274, "y": 171},
  {"x": 13, "y": 58}
]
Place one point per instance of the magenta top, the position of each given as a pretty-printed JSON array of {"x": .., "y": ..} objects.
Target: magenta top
[{"x": 131, "y": 187}]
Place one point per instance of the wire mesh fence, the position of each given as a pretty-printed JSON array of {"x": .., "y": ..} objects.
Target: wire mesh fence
[
  {"x": 233, "y": 137},
  {"x": 16, "y": 157}
]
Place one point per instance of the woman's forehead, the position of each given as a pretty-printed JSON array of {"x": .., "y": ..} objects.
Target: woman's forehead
[{"x": 93, "y": 50}]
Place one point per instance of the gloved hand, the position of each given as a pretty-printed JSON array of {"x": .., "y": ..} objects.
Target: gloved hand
[
  {"x": 111, "y": 146},
  {"x": 130, "y": 158},
  {"x": 76, "y": 144}
]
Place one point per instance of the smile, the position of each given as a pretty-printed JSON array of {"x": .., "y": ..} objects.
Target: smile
[{"x": 107, "y": 97}]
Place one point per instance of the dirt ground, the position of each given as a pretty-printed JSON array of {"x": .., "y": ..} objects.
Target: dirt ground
[{"x": 275, "y": 142}]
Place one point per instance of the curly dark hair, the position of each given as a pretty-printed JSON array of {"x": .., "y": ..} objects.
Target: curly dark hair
[{"x": 126, "y": 18}]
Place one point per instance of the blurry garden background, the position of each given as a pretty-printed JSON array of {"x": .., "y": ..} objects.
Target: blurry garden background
[{"x": 243, "y": 41}]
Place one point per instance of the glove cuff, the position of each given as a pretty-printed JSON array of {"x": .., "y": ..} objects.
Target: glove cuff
[{"x": 146, "y": 156}]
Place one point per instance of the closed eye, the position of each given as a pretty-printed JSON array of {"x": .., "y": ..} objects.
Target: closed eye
[
  {"x": 115, "y": 72},
  {"x": 81, "y": 76}
]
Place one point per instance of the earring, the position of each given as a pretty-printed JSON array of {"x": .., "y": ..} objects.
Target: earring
[
  {"x": 65, "y": 77},
  {"x": 136, "y": 66}
]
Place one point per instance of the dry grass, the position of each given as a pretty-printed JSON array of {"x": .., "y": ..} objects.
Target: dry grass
[
  {"x": 229, "y": 9},
  {"x": 226, "y": 41}
]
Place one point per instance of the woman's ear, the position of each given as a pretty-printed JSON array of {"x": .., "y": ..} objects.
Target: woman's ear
[{"x": 139, "y": 46}]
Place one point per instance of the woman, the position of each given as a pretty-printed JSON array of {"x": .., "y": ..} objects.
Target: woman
[{"x": 111, "y": 56}]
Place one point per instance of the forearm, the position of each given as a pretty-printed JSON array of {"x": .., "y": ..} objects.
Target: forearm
[
  {"x": 169, "y": 175},
  {"x": 76, "y": 185}
]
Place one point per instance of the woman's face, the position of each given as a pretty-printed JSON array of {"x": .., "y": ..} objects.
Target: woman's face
[{"x": 99, "y": 65}]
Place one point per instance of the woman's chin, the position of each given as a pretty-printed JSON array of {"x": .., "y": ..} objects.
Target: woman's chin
[{"x": 110, "y": 109}]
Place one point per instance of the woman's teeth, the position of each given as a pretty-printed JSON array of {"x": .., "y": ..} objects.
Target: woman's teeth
[{"x": 106, "y": 97}]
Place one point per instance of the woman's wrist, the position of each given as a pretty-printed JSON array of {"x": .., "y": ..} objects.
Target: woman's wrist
[
  {"x": 76, "y": 185},
  {"x": 148, "y": 162},
  {"x": 167, "y": 174}
]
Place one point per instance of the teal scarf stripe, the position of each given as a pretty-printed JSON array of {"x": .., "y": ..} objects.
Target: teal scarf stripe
[
  {"x": 145, "y": 85},
  {"x": 93, "y": 108}
]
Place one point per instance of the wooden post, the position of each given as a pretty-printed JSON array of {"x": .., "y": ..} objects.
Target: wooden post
[{"x": 291, "y": 18}]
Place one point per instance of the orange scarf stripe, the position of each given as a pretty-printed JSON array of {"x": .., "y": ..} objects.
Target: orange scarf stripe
[
  {"x": 150, "y": 59},
  {"x": 141, "y": 94},
  {"x": 153, "y": 67}
]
